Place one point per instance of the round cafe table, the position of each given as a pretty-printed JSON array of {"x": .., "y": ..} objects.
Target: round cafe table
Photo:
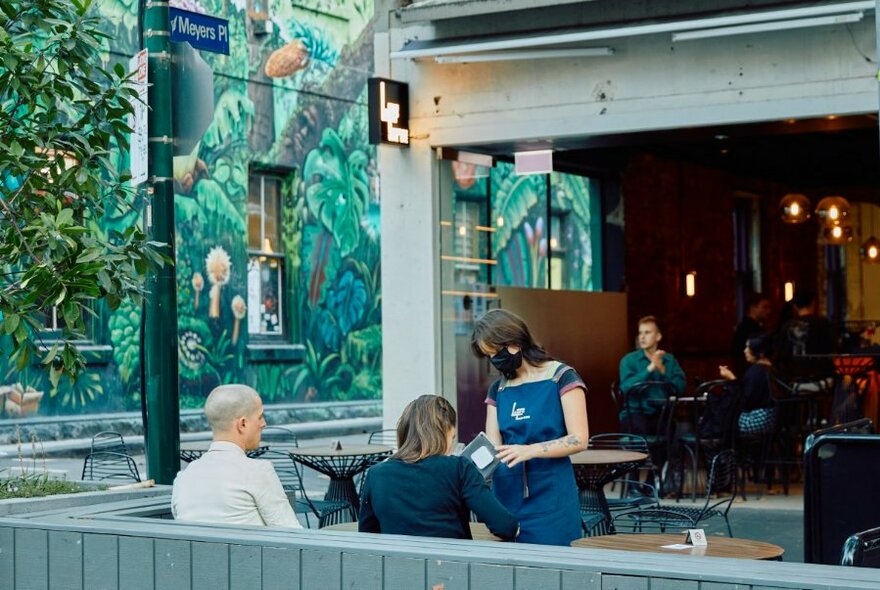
[
  {"x": 341, "y": 465},
  {"x": 654, "y": 543},
  {"x": 479, "y": 531},
  {"x": 594, "y": 468}
]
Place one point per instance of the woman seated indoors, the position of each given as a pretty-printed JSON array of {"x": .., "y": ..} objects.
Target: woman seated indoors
[
  {"x": 422, "y": 490},
  {"x": 756, "y": 385}
]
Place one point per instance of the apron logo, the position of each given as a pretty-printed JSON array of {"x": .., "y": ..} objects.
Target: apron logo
[{"x": 518, "y": 413}]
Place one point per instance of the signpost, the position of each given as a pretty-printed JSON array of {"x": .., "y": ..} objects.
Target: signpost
[
  {"x": 138, "y": 118},
  {"x": 204, "y": 32}
]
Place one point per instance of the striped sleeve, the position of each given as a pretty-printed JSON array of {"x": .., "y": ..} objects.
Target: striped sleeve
[
  {"x": 567, "y": 379},
  {"x": 492, "y": 396}
]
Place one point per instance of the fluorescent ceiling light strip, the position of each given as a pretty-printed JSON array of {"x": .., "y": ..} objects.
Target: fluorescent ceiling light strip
[
  {"x": 782, "y": 25},
  {"x": 518, "y": 55},
  {"x": 633, "y": 31}
]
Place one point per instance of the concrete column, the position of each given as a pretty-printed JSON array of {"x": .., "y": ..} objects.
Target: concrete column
[{"x": 410, "y": 278}]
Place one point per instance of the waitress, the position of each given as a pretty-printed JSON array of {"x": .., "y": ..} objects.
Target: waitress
[{"x": 536, "y": 415}]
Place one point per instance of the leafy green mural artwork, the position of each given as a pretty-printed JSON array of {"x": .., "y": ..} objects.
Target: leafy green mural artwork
[{"x": 292, "y": 100}]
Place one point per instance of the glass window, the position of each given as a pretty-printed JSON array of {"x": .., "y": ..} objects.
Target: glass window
[{"x": 265, "y": 257}]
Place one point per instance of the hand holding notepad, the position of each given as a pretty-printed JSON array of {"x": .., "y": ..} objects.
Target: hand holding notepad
[{"x": 482, "y": 452}]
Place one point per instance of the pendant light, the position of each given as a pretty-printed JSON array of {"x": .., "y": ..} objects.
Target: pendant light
[
  {"x": 838, "y": 234},
  {"x": 832, "y": 210},
  {"x": 794, "y": 208}
]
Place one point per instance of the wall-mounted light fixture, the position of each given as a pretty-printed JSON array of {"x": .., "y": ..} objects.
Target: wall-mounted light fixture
[
  {"x": 832, "y": 210},
  {"x": 871, "y": 250},
  {"x": 690, "y": 284},
  {"x": 794, "y": 208},
  {"x": 789, "y": 290}
]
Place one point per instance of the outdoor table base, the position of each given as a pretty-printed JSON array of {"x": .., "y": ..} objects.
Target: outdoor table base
[
  {"x": 594, "y": 468},
  {"x": 341, "y": 466}
]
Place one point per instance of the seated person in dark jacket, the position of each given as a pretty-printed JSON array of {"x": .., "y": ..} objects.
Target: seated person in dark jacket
[
  {"x": 421, "y": 490},
  {"x": 758, "y": 412},
  {"x": 804, "y": 334}
]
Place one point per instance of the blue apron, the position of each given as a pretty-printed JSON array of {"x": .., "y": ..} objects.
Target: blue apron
[{"x": 541, "y": 492}]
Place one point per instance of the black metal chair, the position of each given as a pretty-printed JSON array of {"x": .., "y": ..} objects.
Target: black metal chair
[
  {"x": 103, "y": 465},
  {"x": 862, "y": 549},
  {"x": 291, "y": 481},
  {"x": 387, "y": 437},
  {"x": 279, "y": 434},
  {"x": 721, "y": 481},
  {"x": 703, "y": 443},
  {"x": 658, "y": 428},
  {"x": 633, "y": 492},
  {"x": 109, "y": 441}
]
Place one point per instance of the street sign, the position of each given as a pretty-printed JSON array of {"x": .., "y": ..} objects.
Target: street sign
[
  {"x": 388, "y": 108},
  {"x": 204, "y": 32},
  {"x": 138, "y": 119}
]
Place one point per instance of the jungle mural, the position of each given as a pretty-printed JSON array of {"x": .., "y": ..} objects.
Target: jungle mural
[
  {"x": 545, "y": 228},
  {"x": 290, "y": 103}
]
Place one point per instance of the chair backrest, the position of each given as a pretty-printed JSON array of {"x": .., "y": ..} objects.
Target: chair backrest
[
  {"x": 102, "y": 465},
  {"x": 616, "y": 396},
  {"x": 722, "y": 481},
  {"x": 279, "y": 434},
  {"x": 109, "y": 441},
  {"x": 619, "y": 440},
  {"x": 720, "y": 413},
  {"x": 862, "y": 549},
  {"x": 383, "y": 437},
  {"x": 636, "y": 393},
  {"x": 285, "y": 468}
]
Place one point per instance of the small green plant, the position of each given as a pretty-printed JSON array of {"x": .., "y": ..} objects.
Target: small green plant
[{"x": 33, "y": 481}]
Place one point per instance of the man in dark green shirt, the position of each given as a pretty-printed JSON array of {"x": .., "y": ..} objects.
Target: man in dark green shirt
[{"x": 648, "y": 363}]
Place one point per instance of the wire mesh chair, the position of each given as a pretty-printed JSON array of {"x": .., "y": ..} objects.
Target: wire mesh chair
[
  {"x": 386, "y": 437},
  {"x": 109, "y": 441},
  {"x": 279, "y": 434},
  {"x": 659, "y": 428},
  {"x": 102, "y": 465},
  {"x": 721, "y": 488},
  {"x": 291, "y": 481},
  {"x": 633, "y": 493}
]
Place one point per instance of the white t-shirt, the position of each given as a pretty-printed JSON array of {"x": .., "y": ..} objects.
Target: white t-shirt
[{"x": 226, "y": 486}]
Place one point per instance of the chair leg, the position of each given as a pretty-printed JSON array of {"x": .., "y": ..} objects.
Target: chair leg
[{"x": 729, "y": 530}]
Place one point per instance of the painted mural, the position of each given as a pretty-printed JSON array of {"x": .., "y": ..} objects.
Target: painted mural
[
  {"x": 289, "y": 104},
  {"x": 545, "y": 228}
]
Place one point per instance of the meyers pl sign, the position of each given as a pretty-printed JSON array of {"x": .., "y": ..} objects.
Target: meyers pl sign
[{"x": 204, "y": 32}]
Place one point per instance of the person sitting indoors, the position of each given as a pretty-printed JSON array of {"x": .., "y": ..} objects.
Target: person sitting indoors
[
  {"x": 422, "y": 490},
  {"x": 758, "y": 412},
  {"x": 648, "y": 363},
  {"x": 754, "y": 322},
  {"x": 225, "y": 485},
  {"x": 806, "y": 333}
]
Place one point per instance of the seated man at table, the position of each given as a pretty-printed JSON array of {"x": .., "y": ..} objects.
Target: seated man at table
[
  {"x": 225, "y": 485},
  {"x": 648, "y": 363},
  {"x": 804, "y": 334}
]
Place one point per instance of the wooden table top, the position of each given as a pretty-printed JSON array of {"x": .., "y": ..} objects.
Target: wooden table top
[
  {"x": 653, "y": 543},
  {"x": 606, "y": 457},
  {"x": 479, "y": 531},
  {"x": 346, "y": 450}
]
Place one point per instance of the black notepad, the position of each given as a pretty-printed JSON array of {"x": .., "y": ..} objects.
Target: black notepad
[{"x": 482, "y": 452}]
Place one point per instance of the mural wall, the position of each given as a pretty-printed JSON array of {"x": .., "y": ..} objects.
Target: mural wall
[{"x": 284, "y": 297}]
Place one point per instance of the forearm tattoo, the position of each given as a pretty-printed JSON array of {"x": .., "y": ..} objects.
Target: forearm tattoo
[{"x": 572, "y": 440}]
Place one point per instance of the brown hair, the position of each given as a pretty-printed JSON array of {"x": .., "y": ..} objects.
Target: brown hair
[
  {"x": 423, "y": 427},
  {"x": 650, "y": 319},
  {"x": 499, "y": 328}
]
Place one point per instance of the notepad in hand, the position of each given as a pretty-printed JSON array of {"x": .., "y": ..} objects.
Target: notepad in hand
[{"x": 482, "y": 452}]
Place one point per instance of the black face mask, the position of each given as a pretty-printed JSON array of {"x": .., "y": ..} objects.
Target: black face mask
[{"x": 506, "y": 362}]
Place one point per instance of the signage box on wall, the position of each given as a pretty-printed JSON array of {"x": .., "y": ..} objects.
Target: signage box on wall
[{"x": 388, "y": 104}]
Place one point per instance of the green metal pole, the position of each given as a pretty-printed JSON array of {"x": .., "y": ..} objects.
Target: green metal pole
[{"x": 162, "y": 428}]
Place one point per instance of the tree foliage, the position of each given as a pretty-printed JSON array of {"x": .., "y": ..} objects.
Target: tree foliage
[{"x": 61, "y": 115}]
